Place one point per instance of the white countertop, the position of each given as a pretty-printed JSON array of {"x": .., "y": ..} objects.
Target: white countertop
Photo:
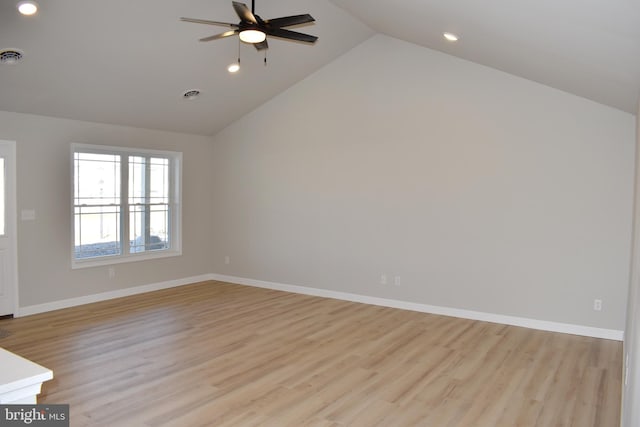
[{"x": 17, "y": 372}]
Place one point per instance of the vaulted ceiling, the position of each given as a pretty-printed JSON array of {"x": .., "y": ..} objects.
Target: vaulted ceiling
[
  {"x": 129, "y": 63},
  {"x": 590, "y": 48}
]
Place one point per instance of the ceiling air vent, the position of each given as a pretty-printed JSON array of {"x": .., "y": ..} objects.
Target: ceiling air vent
[
  {"x": 191, "y": 94},
  {"x": 10, "y": 56}
]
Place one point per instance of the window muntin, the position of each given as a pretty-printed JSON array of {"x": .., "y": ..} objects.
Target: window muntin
[{"x": 122, "y": 192}]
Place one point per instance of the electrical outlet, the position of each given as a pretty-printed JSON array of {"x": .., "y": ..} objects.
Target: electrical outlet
[
  {"x": 597, "y": 304},
  {"x": 227, "y": 260},
  {"x": 396, "y": 280},
  {"x": 383, "y": 279}
]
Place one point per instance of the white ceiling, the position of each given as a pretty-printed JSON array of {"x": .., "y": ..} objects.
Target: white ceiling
[
  {"x": 590, "y": 48},
  {"x": 128, "y": 62}
]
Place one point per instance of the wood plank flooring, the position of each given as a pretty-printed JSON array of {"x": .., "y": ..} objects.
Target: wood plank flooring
[{"x": 214, "y": 354}]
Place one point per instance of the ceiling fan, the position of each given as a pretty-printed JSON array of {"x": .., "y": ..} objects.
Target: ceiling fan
[{"x": 254, "y": 30}]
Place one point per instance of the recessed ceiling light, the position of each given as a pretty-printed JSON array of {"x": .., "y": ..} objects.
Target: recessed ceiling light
[
  {"x": 450, "y": 37},
  {"x": 191, "y": 94},
  {"x": 27, "y": 7},
  {"x": 233, "y": 68}
]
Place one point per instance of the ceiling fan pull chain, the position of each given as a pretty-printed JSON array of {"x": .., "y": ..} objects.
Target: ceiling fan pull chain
[{"x": 265, "y": 57}]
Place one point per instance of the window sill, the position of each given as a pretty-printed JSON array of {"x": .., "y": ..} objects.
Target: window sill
[{"x": 120, "y": 259}]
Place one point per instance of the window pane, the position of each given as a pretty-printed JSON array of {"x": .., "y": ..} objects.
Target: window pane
[
  {"x": 148, "y": 203},
  {"x": 159, "y": 180},
  {"x": 97, "y": 231},
  {"x": 96, "y": 204},
  {"x": 157, "y": 237},
  {"x": 137, "y": 172},
  {"x": 97, "y": 179}
]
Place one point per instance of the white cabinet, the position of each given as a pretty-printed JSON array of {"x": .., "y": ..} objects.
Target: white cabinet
[{"x": 20, "y": 379}]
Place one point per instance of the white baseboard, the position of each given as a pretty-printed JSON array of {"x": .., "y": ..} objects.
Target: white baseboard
[
  {"x": 72, "y": 302},
  {"x": 544, "y": 325}
]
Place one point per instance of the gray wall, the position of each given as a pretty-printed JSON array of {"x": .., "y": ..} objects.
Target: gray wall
[
  {"x": 631, "y": 376},
  {"x": 483, "y": 191},
  {"x": 43, "y": 184}
]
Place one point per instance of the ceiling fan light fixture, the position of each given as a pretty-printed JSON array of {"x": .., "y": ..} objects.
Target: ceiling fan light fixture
[
  {"x": 252, "y": 36},
  {"x": 27, "y": 7}
]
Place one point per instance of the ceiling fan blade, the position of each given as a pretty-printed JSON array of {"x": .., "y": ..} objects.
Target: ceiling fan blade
[
  {"x": 244, "y": 13},
  {"x": 291, "y": 35},
  {"x": 220, "y": 36},
  {"x": 205, "y": 21},
  {"x": 262, "y": 45},
  {"x": 288, "y": 21}
]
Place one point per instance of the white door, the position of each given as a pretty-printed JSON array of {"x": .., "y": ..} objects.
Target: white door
[{"x": 8, "y": 282}]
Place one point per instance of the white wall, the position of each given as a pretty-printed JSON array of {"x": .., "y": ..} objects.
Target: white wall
[
  {"x": 631, "y": 387},
  {"x": 483, "y": 191},
  {"x": 43, "y": 184}
]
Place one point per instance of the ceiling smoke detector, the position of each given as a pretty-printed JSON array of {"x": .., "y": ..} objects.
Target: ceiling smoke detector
[{"x": 10, "y": 56}]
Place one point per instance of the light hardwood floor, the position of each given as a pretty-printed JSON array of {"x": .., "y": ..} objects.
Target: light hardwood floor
[{"x": 220, "y": 354}]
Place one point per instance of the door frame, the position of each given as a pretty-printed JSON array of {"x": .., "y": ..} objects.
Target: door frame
[{"x": 11, "y": 221}]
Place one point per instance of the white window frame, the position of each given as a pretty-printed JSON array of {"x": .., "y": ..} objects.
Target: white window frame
[{"x": 175, "y": 201}]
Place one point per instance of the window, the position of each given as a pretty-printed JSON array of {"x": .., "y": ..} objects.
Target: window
[{"x": 125, "y": 204}]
